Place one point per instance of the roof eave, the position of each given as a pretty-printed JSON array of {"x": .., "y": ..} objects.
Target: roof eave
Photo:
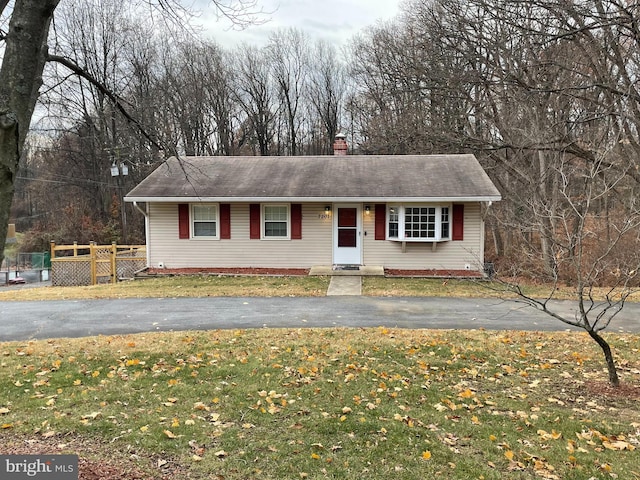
[{"x": 481, "y": 198}]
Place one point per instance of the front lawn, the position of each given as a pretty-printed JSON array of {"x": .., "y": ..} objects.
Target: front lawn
[{"x": 331, "y": 403}]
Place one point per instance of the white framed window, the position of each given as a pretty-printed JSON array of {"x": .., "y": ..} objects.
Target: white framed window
[
  {"x": 276, "y": 222},
  {"x": 204, "y": 221},
  {"x": 393, "y": 224},
  {"x": 419, "y": 223}
]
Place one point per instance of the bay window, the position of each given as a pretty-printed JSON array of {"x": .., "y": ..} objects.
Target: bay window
[{"x": 418, "y": 223}]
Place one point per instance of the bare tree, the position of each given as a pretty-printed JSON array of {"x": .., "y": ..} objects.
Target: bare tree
[
  {"x": 255, "y": 92},
  {"x": 20, "y": 79},
  {"x": 327, "y": 91},
  {"x": 580, "y": 221},
  {"x": 289, "y": 58},
  {"x": 26, "y": 52}
]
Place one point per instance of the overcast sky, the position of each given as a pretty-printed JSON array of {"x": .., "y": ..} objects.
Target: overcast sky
[{"x": 333, "y": 20}]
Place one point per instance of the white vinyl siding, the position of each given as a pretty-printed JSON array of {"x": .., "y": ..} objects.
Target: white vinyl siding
[{"x": 315, "y": 248}]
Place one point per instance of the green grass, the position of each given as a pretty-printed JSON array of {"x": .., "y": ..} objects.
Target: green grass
[
  {"x": 334, "y": 403},
  {"x": 180, "y": 286},
  {"x": 273, "y": 286}
]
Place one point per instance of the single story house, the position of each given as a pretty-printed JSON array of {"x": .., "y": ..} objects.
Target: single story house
[{"x": 406, "y": 212}]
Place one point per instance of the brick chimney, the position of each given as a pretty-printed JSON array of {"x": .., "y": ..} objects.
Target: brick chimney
[{"x": 340, "y": 145}]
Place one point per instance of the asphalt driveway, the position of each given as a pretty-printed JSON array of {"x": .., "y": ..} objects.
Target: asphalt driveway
[{"x": 77, "y": 318}]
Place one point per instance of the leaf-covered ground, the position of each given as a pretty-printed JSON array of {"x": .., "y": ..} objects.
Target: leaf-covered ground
[{"x": 331, "y": 403}]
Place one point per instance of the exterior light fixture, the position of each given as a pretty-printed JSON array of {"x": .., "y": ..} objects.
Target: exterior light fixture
[
  {"x": 327, "y": 209},
  {"x": 367, "y": 209}
]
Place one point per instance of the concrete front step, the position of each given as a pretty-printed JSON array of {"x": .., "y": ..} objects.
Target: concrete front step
[{"x": 347, "y": 271}]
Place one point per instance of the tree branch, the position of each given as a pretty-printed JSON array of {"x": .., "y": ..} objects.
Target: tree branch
[
  {"x": 81, "y": 72},
  {"x": 3, "y": 5}
]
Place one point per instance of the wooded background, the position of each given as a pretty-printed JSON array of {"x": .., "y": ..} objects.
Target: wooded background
[{"x": 543, "y": 92}]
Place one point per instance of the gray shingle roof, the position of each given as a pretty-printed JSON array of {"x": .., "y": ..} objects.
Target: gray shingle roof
[{"x": 321, "y": 178}]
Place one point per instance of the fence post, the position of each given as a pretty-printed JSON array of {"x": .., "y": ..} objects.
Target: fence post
[
  {"x": 114, "y": 252},
  {"x": 92, "y": 261},
  {"x": 53, "y": 249}
]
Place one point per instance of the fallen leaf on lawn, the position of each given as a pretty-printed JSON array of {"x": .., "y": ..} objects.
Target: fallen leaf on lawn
[
  {"x": 200, "y": 406},
  {"x": 91, "y": 416},
  {"x": 466, "y": 394},
  {"x": 618, "y": 445},
  {"x": 220, "y": 454},
  {"x": 509, "y": 455},
  {"x": 426, "y": 455},
  {"x": 549, "y": 436},
  {"x": 169, "y": 434}
]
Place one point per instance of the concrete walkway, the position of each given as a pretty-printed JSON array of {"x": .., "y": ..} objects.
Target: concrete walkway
[
  {"x": 348, "y": 279},
  {"x": 345, "y": 285}
]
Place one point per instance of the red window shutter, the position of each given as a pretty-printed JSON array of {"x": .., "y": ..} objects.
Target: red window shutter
[
  {"x": 457, "y": 231},
  {"x": 254, "y": 221},
  {"x": 381, "y": 221},
  {"x": 225, "y": 221},
  {"x": 296, "y": 221},
  {"x": 183, "y": 220}
]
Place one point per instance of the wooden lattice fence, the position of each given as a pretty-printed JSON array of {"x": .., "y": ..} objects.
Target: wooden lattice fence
[{"x": 74, "y": 265}]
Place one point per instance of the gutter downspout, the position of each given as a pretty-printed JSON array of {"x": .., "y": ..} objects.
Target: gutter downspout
[{"x": 145, "y": 212}]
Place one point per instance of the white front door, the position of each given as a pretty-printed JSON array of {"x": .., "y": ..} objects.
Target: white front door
[{"x": 347, "y": 241}]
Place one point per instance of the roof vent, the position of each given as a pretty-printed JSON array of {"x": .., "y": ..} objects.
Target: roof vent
[{"x": 340, "y": 145}]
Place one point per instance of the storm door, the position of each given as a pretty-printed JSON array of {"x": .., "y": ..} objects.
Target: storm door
[{"x": 347, "y": 241}]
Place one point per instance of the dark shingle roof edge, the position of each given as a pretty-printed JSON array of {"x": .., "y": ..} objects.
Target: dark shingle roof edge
[{"x": 369, "y": 178}]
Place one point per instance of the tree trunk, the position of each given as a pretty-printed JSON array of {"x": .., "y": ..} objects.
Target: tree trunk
[
  {"x": 20, "y": 80},
  {"x": 611, "y": 366}
]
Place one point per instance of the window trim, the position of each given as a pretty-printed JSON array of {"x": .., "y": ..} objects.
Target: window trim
[
  {"x": 401, "y": 220},
  {"x": 193, "y": 221},
  {"x": 263, "y": 221}
]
